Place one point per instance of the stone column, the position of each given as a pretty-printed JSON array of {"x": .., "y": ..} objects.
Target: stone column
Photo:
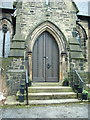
[
  {"x": 30, "y": 65},
  {"x": 63, "y": 65},
  {"x": 60, "y": 69}
]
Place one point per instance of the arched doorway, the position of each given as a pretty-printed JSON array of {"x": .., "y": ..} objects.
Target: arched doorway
[{"x": 45, "y": 59}]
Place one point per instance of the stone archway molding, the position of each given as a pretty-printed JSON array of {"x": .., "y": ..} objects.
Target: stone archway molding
[
  {"x": 52, "y": 29},
  {"x": 59, "y": 37}
]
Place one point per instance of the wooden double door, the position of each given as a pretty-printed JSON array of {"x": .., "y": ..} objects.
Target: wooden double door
[{"x": 45, "y": 59}]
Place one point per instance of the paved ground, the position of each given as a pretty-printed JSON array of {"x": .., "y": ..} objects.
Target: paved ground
[{"x": 51, "y": 111}]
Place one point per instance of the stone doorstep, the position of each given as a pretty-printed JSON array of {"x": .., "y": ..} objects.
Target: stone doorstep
[
  {"x": 48, "y": 96},
  {"x": 49, "y": 93},
  {"x": 54, "y": 93},
  {"x": 50, "y": 89},
  {"x": 46, "y": 84},
  {"x": 12, "y": 101},
  {"x": 53, "y": 101}
]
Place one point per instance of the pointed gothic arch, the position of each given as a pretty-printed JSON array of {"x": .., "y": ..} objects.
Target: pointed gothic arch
[
  {"x": 52, "y": 29},
  {"x": 59, "y": 38}
]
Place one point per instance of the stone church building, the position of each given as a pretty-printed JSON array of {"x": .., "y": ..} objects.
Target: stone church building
[{"x": 45, "y": 42}]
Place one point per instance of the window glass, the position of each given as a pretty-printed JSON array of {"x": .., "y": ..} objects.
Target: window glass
[{"x": 7, "y": 43}]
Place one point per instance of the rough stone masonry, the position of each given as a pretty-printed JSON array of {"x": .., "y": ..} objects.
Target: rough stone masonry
[{"x": 33, "y": 18}]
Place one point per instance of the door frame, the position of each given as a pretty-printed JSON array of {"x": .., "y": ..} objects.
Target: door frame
[{"x": 60, "y": 40}]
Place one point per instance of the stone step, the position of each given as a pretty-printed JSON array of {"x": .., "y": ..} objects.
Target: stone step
[
  {"x": 53, "y": 102},
  {"x": 11, "y": 100},
  {"x": 49, "y": 89},
  {"x": 46, "y": 84},
  {"x": 47, "y": 92},
  {"x": 53, "y": 95}
]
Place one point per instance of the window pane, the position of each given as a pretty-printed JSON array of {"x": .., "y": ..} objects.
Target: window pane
[{"x": 7, "y": 44}]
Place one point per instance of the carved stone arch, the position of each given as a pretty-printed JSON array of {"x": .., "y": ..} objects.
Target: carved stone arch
[
  {"x": 52, "y": 29},
  {"x": 59, "y": 38}
]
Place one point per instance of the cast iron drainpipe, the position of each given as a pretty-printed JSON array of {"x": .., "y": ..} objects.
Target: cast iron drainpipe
[
  {"x": 27, "y": 88},
  {"x": 4, "y": 29}
]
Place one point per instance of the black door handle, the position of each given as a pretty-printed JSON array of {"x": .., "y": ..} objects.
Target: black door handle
[{"x": 48, "y": 66}]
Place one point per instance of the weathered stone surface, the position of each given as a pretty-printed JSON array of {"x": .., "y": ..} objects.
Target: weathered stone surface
[
  {"x": 15, "y": 74},
  {"x": 32, "y": 14},
  {"x": 13, "y": 81},
  {"x": 58, "y": 18},
  {"x": 18, "y": 45}
]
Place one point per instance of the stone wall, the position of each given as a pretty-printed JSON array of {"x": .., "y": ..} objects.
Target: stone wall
[
  {"x": 4, "y": 67},
  {"x": 14, "y": 79},
  {"x": 29, "y": 16},
  {"x": 62, "y": 14},
  {"x": 15, "y": 75},
  {"x": 17, "y": 64}
]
